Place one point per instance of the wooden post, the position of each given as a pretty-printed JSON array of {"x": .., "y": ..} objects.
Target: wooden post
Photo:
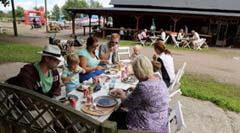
[
  {"x": 73, "y": 23},
  {"x": 99, "y": 21},
  {"x": 84, "y": 30},
  {"x": 175, "y": 20},
  {"x": 137, "y": 22},
  {"x": 104, "y": 19},
  {"x": 104, "y": 32},
  {"x": 89, "y": 24}
]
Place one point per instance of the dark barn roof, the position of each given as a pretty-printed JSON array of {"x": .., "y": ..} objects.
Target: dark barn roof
[
  {"x": 149, "y": 11},
  {"x": 229, "y": 5},
  {"x": 229, "y": 8}
]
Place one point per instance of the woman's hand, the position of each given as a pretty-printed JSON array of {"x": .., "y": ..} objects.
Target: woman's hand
[
  {"x": 118, "y": 93},
  {"x": 154, "y": 57}
]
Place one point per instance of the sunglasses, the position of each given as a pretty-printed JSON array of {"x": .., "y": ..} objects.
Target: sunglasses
[{"x": 114, "y": 42}]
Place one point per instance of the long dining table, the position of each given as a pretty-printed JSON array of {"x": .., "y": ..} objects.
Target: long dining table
[{"x": 104, "y": 91}]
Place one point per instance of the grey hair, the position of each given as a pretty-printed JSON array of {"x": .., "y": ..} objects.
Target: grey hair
[{"x": 142, "y": 67}]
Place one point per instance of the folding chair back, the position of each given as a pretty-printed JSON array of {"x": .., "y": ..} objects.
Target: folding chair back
[
  {"x": 175, "y": 80},
  {"x": 141, "y": 40},
  {"x": 164, "y": 41},
  {"x": 175, "y": 41},
  {"x": 174, "y": 87},
  {"x": 201, "y": 42},
  {"x": 124, "y": 54},
  {"x": 181, "y": 72},
  {"x": 178, "y": 114}
]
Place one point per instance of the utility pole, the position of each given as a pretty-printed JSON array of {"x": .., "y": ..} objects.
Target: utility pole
[
  {"x": 46, "y": 15},
  {"x": 14, "y": 19}
]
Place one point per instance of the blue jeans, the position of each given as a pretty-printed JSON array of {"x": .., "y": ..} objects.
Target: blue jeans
[{"x": 87, "y": 76}]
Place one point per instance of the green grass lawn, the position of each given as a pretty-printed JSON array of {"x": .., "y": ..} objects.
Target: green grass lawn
[
  {"x": 204, "y": 87},
  {"x": 19, "y": 52}
]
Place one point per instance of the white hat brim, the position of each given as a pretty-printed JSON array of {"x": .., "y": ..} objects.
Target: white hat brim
[{"x": 58, "y": 58}]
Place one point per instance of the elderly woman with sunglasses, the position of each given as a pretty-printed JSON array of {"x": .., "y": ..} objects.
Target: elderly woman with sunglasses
[
  {"x": 89, "y": 61},
  {"x": 147, "y": 104},
  {"x": 108, "y": 51}
]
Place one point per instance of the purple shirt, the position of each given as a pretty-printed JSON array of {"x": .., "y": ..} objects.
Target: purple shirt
[{"x": 148, "y": 107}]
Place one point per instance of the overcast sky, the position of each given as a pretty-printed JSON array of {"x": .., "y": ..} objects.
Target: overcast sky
[{"x": 29, "y": 4}]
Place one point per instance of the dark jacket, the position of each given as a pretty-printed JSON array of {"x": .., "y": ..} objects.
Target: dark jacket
[{"x": 29, "y": 78}]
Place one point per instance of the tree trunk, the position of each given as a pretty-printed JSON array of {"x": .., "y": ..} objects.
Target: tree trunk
[
  {"x": 14, "y": 19},
  {"x": 46, "y": 23}
]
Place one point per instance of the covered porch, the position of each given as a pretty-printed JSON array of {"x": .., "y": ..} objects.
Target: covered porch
[{"x": 215, "y": 26}]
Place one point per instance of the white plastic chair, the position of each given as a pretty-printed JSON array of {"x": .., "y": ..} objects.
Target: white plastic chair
[
  {"x": 201, "y": 42},
  {"x": 141, "y": 40},
  {"x": 175, "y": 42},
  {"x": 176, "y": 113},
  {"x": 124, "y": 52},
  {"x": 174, "y": 87},
  {"x": 164, "y": 41}
]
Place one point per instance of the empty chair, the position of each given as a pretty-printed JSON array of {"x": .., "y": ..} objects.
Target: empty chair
[{"x": 124, "y": 54}]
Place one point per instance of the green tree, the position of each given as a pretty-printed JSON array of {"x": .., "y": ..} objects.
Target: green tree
[
  {"x": 56, "y": 12},
  {"x": 19, "y": 11},
  {"x": 38, "y": 8},
  {"x": 5, "y": 2},
  {"x": 72, "y": 4},
  {"x": 94, "y": 4}
]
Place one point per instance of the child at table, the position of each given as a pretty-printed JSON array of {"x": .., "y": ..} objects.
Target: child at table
[
  {"x": 136, "y": 51},
  {"x": 70, "y": 75}
]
